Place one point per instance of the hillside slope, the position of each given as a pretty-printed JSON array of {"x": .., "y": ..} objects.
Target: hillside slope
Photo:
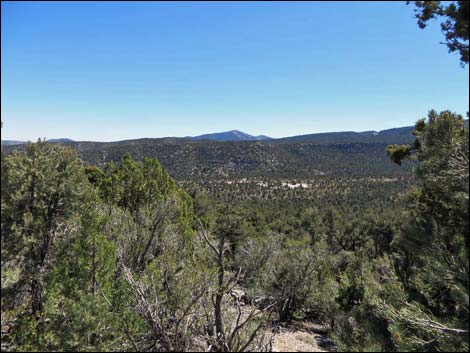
[{"x": 335, "y": 154}]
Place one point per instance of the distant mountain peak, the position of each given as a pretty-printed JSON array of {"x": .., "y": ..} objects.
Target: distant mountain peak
[
  {"x": 60, "y": 140},
  {"x": 232, "y": 135}
]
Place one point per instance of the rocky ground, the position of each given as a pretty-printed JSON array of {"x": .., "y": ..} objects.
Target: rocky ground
[{"x": 302, "y": 337}]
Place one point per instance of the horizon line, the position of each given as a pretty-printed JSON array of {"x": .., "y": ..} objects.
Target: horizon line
[{"x": 209, "y": 133}]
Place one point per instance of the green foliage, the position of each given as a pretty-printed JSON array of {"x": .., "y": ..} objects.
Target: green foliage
[
  {"x": 455, "y": 25},
  {"x": 69, "y": 242},
  {"x": 433, "y": 249},
  {"x": 398, "y": 153},
  {"x": 44, "y": 187}
]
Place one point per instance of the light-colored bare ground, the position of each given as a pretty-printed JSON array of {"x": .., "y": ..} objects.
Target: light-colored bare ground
[{"x": 302, "y": 337}]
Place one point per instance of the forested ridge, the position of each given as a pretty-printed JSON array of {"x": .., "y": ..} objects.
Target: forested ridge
[
  {"x": 185, "y": 159},
  {"x": 175, "y": 245}
]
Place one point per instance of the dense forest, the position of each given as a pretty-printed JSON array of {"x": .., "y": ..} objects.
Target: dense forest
[{"x": 128, "y": 252}]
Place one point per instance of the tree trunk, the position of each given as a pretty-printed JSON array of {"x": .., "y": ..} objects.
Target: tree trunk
[
  {"x": 219, "y": 322},
  {"x": 36, "y": 297}
]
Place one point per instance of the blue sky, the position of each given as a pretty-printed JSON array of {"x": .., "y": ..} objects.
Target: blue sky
[{"x": 119, "y": 70}]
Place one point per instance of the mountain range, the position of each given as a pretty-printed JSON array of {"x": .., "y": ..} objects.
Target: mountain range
[
  {"x": 15, "y": 142},
  {"x": 234, "y": 154},
  {"x": 387, "y": 136}
]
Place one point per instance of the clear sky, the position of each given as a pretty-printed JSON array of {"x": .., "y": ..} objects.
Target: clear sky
[{"x": 118, "y": 70}]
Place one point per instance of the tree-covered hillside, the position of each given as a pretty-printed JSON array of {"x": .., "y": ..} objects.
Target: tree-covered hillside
[
  {"x": 209, "y": 159},
  {"x": 335, "y": 154}
]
